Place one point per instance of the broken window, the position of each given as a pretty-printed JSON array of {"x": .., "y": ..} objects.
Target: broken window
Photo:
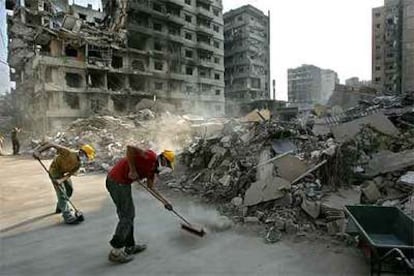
[
  {"x": 216, "y": 60},
  {"x": 137, "y": 83},
  {"x": 71, "y": 51},
  {"x": 173, "y": 9},
  {"x": 188, "y": 18},
  {"x": 117, "y": 62},
  {"x": 203, "y": 73},
  {"x": 378, "y": 68},
  {"x": 116, "y": 82},
  {"x": 216, "y": 76},
  {"x": 216, "y": 28},
  {"x": 49, "y": 74},
  {"x": 157, "y": 46},
  {"x": 255, "y": 82},
  {"x": 158, "y": 85},
  {"x": 157, "y": 26},
  {"x": 203, "y": 38},
  {"x": 96, "y": 104},
  {"x": 188, "y": 36},
  {"x": 120, "y": 102},
  {"x": 72, "y": 100},
  {"x": 188, "y": 53},
  {"x": 136, "y": 40},
  {"x": 173, "y": 30},
  {"x": 96, "y": 79},
  {"x": 82, "y": 16},
  {"x": 218, "y": 92},
  {"x": 158, "y": 65},
  {"x": 189, "y": 70},
  {"x": 157, "y": 7},
  {"x": 74, "y": 80},
  {"x": 203, "y": 5},
  {"x": 205, "y": 87},
  {"x": 216, "y": 12},
  {"x": 188, "y": 2},
  {"x": 138, "y": 64},
  {"x": 217, "y": 44}
]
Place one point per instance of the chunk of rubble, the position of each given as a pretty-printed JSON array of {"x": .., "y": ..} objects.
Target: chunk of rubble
[
  {"x": 407, "y": 179},
  {"x": 387, "y": 161},
  {"x": 370, "y": 191},
  {"x": 290, "y": 167},
  {"x": 265, "y": 190},
  {"x": 312, "y": 208}
]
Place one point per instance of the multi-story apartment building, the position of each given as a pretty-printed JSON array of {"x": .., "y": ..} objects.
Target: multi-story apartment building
[
  {"x": 392, "y": 38},
  {"x": 84, "y": 61},
  {"x": 309, "y": 85},
  {"x": 247, "y": 57},
  {"x": 408, "y": 46}
]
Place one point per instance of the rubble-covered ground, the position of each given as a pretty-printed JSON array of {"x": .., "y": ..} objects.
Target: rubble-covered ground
[{"x": 291, "y": 178}]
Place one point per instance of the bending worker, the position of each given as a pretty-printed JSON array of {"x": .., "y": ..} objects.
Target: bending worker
[
  {"x": 65, "y": 164},
  {"x": 137, "y": 165}
]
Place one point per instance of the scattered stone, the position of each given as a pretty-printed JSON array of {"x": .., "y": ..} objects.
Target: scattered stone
[
  {"x": 251, "y": 220},
  {"x": 237, "y": 201},
  {"x": 371, "y": 191},
  {"x": 407, "y": 179},
  {"x": 273, "y": 235},
  {"x": 312, "y": 208}
]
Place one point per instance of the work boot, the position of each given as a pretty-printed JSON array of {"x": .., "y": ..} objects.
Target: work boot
[
  {"x": 130, "y": 250},
  {"x": 119, "y": 256}
]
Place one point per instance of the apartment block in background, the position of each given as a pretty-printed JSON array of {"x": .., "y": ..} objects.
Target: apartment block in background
[
  {"x": 309, "y": 85},
  {"x": 247, "y": 58},
  {"x": 393, "y": 47}
]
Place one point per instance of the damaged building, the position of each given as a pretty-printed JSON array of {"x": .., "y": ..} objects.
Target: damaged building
[
  {"x": 247, "y": 57},
  {"x": 309, "y": 85},
  {"x": 71, "y": 61},
  {"x": 392, "y": 47}
]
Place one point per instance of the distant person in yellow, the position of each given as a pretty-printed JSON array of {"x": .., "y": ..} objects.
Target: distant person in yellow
[{"x": 66, "y": 163}]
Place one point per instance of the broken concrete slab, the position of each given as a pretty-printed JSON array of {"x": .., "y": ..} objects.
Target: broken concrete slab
[
  {"x": 312, "y": 208},
  {"x": 387, "y": 161},
  {"x": 371, "y": 191},
  {"x": 340, "y": 198},
  {"x": 349, "y": 130},
  {"x": 407, "y": 179},
  {"x": 225, "y": 180},
  {"x": 264, "y": 190},
  {"x": 290, "y": 167}
]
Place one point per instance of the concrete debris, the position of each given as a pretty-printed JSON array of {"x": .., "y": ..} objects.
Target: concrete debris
[
  {"x": 407, "y": 179},
  {"x": 370, "y": 191},
  {"x": 378, "y": 121},
  {"x": 312, "y": 208},
  {"x": 387, "y": 161},
  {"x": 290, "y": 167},
  {"x": 266, "y": 190}
]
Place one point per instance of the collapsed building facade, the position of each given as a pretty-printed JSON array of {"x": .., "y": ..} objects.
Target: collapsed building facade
[
  {"x": 392, "y": 47},
  {"x": 70, "y": 61},
  {"x": 247, "y": 57}
]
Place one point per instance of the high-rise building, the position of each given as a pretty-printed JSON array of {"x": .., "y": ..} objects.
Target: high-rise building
[
  {"x": 84, "y": 62},
  {"x": 309, "y": 85},
  {"x": 392, "y": 51},
  {"x": 408, "y": 46},
  {"x": 247, "y": 57}
]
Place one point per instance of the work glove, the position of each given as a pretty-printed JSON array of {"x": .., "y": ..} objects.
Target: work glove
[{"x": 168, "y": 206}]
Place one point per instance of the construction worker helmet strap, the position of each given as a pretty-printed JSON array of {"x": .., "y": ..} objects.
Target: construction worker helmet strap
[{"x": 89, "y": 150}]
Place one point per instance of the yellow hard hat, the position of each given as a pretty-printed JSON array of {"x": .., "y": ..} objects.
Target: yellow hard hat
[
  {"x": 89, "y": 150},
  {"x": 170, "y": 156}
]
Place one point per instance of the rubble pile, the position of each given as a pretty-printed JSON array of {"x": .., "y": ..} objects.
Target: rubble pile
[
  {"x": 109, "y": 135},
  {"x": 294, "y": 181}
]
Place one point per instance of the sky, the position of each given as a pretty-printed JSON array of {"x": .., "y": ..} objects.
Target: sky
[{"x": 331, "y": 34}]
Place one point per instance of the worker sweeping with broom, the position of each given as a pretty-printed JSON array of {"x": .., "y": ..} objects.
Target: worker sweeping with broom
[
  {"x": 65, "y": 164},
  {"x": 138, "y": 164}
]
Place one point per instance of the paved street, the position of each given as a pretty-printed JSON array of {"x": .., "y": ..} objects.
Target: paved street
[{"x": 47, "y": 247}]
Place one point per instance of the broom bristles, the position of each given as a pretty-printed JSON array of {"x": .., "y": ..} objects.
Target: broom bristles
[{"x": 192, "y": 230}]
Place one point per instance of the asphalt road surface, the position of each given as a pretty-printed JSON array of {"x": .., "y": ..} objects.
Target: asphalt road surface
[{"x": 35, "y": 244}]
